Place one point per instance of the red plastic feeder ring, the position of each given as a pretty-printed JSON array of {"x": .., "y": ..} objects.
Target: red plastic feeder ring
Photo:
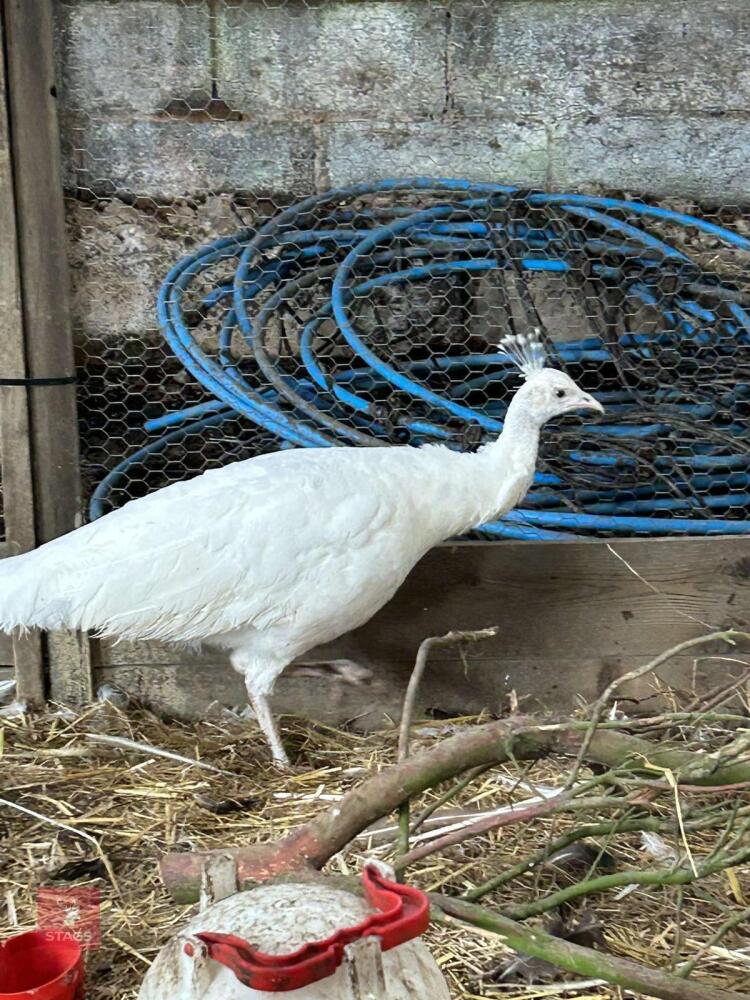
[
  {"x": 41, "y": 965},
  {"x": 403, "y": 914}
]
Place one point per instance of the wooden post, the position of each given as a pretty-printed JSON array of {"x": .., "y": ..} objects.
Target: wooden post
[
  {"x": 18, "y": 505},
  {"x": 44, "y": 275}
]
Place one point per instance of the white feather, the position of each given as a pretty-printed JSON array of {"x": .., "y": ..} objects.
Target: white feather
[
  {"x": 275, "y": 555},
  {"x": 311, "y": 541},
  {"x": 526, "y": 351}
]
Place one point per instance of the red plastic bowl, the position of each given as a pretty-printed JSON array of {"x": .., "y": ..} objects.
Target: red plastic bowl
[{"x": 41, "y": 965}]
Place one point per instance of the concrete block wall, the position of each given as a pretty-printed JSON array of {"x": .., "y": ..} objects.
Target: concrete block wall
[
  {"x": 179, "y": 104},
  {"x": 630, "y": 94}
]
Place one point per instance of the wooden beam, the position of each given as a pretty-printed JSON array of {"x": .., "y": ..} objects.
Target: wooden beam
[
  {"x": 572, "y": 616},
  {"x": 8, "y": 660},
  {"x": 44, "y": 285},
  {"x": 15, "y": 462},
  {"x": 44, "y": 268}
]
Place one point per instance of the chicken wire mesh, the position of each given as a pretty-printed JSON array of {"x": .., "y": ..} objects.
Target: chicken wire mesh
[{"x": 195, "y": 136}]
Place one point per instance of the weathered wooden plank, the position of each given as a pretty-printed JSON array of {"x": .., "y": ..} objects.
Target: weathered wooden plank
[
  {"x": 6, "y": 652},
  {"x": 8, "y": 547},
  {"x": 574, "y": 600},
  {"x": 44, "y": 269},
  {"x": 44, "y": 280},
  {"x": 571, "y": 617},
  {"x": 18, "y": 506},
  {"x": 71, "y": 680},
  {"x": 188, "y": 690}
]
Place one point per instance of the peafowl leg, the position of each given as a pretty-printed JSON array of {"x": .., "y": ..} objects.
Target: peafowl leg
[
  {"x": 267, "y": 723},
  {"x": 259, "y": 675}
]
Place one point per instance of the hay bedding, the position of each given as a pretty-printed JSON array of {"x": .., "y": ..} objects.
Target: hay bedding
[{"x": 138, "y": 805}]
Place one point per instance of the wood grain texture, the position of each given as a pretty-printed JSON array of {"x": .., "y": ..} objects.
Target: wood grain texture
[
  {"x": 71, "y": 680},
  {"x": 7, "y": 659},
  {"x": 44, "y": 283},
  {"x": 572, "y": 617},
  {"x": 18, "y": 507},
  {"x": 43, "y": 258}
]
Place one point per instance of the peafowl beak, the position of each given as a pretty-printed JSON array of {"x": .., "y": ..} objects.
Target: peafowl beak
[{"x": 584, "y": 402}]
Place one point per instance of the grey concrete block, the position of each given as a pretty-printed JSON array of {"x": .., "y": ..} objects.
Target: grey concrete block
[
  {"x": 338, "y": 59},
  {"x": 555, "y": 298},
  {"x": 696, "y": 158},
  {"x": 168, "y": 159},
  {"x": 119, "y": 254},
  {"x": 561, "y": 58},
  {"x": 490, "y": 151},
  {"x": 136, "y": 55}
]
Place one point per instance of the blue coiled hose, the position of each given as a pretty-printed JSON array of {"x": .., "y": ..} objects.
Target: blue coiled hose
[{"x": 671, "y": 455}]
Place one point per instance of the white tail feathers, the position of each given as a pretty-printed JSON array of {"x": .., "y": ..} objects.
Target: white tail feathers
[
  {"x": 526, "y": 351},
  {"x": 23, "y": 601}
]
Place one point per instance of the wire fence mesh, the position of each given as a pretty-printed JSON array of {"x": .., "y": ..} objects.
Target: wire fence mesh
[
  {"x": 549, "y": 173},
  {"x": 372, "y": 316}
]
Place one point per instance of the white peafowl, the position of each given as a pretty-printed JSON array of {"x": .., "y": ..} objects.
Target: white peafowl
[{"x": 268, "y": 557}]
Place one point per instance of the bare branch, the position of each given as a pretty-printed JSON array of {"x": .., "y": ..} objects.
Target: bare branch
[
  {"x": 677, "y": 876},
  {"x": 727, "y": 635},
  {"x": 492, "y": 743},
  {"x": 733, "y": 921},
  {"x": 454, "y": 789},
  {"x": 407, "y": 713},
  {"x": 638, "y": 824},
  {"x": 576, "y": 959},
  {"x": 522, "y": 814},
  {"x": 425, "y": 648}
]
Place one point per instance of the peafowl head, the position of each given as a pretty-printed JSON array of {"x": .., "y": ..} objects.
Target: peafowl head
[{"x": 546, "y": 392}]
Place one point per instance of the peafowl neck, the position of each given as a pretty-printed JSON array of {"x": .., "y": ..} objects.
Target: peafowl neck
[
  {"x": 481, "y": 486},
  {"x": 507, "y": 465}
]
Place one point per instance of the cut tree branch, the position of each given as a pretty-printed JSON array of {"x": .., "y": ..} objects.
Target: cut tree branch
[
  {"x": 425, "y": 648},
  {"x": 333, "y": 828},
  {"x": 579, "y": 960},
  {"x": 522, "y": 814},
  {"x": 677, "y": 876},
  {"x": 726, "y": 635},
  {"x": 492, "y": 743},
  {"x": 652, "y": 824},
  {"x": 729, "y": 924},
  {"x": 407, "y": 713},
  {"x": 454, "y": 789}
]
